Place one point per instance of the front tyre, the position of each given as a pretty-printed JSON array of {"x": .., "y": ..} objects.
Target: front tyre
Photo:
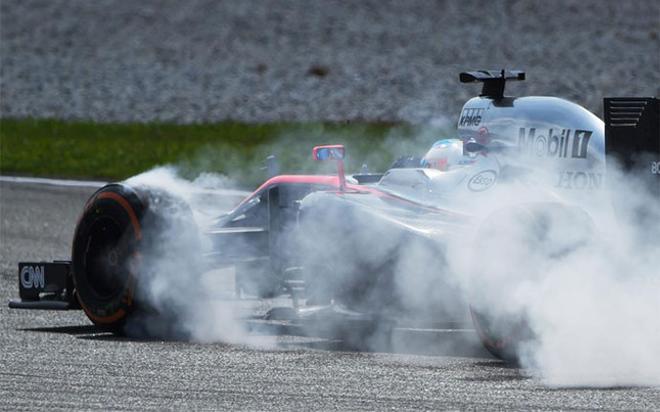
[{"x": 105, "y": 255}]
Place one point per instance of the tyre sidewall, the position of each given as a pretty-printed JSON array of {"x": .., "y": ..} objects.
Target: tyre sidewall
[{"x": 121, "y": 205}]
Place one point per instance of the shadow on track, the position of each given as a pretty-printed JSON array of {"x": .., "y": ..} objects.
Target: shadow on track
[
  {"x": 458, "y": 343},
  {"x": 88, "y": 332},
  {"x": 69, "y": 330},
  {"x": 359, "y": 337}
]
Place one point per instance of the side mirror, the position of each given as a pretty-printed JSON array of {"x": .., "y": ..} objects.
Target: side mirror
[
  {"x": 272, "y": 167},
  {"x": 328, "y": 152},
  {"x": 472, "y": 146},
  {"x": 333, "y": 152}
]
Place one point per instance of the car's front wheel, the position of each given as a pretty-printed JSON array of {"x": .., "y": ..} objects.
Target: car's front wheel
[{"x": 125, "y": 241}]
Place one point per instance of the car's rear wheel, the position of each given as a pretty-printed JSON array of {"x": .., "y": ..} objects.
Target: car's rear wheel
[
  {"x": 515, "y": 247},
  {"x": 503, "y": 337}
]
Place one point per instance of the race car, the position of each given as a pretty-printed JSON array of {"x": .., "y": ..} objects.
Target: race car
[{"x": 374, "y": 244}]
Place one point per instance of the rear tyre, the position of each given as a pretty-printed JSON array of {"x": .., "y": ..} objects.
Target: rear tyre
[
  {"x": 502, "y": 338},
  {"x": 515, "y": 247}
]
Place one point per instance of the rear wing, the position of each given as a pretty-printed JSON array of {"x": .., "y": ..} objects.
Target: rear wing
[
  {"x": 632, "y": 137},
  {"x": 493, "y": 80}
]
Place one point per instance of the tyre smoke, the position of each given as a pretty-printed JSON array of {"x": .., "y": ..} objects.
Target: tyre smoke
[
  {"x": 584, "y": 280},
  {"x": 573, "y": 278},
  {"x": 184, "y": 300},
  {"x": 596, "y": 309}
]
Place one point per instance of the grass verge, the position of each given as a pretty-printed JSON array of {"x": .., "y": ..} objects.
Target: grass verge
[{"x": 113, "y": 151}]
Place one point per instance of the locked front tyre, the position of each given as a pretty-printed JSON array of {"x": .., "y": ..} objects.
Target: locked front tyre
[{"x": 123, "y": 233}]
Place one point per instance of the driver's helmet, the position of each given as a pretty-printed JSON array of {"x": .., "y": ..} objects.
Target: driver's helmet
[{"x": 447, "y": 154}]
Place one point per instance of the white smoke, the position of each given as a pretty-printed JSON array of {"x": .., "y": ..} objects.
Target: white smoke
[
  {"x": 580, "y": 270},
  {"x": 586, "y": 280},
  {"x": 596, "y": 312},
  {"x": 588, "y": 287},
  {"x": 186, "y": 299},
  {"x": 208, "y": 195}
]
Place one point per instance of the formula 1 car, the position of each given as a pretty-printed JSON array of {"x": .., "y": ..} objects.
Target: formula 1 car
[{"x": 373, "y": 243}]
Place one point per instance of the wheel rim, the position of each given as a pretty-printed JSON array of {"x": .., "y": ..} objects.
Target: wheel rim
[{"x": 106, "y": 257}]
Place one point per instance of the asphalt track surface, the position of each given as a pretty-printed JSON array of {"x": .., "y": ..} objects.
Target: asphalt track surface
[{"x": 58, "y": 360}]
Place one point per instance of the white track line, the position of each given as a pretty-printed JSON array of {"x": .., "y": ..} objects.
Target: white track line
[
  {"x": 97, "y": 184},
  {"x": 52, "y": 182}
]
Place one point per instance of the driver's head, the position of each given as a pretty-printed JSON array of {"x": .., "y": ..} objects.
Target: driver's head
[{"x": 446, "y": 154}]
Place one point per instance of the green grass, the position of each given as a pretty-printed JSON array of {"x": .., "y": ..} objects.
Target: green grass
[{"x": 113, "y": 151}]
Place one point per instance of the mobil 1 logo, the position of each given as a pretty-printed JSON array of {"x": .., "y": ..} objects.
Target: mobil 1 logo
[{"x": 564, "y": 143}]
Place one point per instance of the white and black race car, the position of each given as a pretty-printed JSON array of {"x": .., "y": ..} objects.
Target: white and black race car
[{"x": 379, "y": 245}]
